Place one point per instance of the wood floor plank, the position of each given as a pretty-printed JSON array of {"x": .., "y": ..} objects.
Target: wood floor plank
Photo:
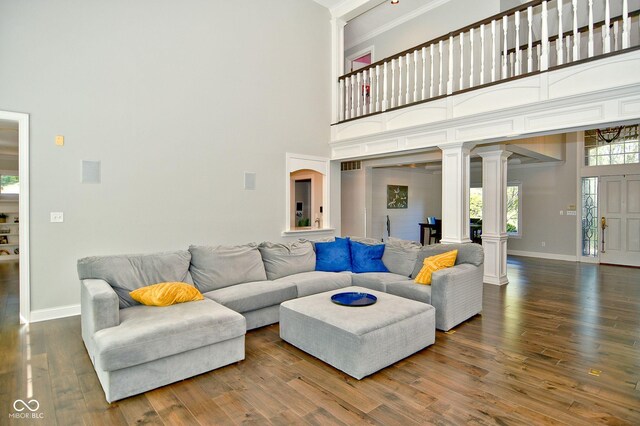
[{"x": 524, "y": 360}]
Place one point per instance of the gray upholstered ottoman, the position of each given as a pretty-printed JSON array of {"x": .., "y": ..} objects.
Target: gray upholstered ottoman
[{"x": 358, "y": 340}]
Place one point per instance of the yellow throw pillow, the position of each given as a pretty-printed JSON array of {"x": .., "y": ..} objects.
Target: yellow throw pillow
[
  {"x": 166, "y": 294},
  {"x": 435, "y": 263}
]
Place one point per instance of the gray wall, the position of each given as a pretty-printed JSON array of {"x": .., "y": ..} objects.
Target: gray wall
[
  {"x": 546, "y": 189},
  {"x": 425, "y": 199},
  {"x": 177, "y": 100},
  {"x": 353, "y": 202},
  {"x": 451, "y": 16}
]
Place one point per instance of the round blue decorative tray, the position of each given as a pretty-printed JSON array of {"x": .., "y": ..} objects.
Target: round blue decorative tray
[{"x": 354, "y": 299}]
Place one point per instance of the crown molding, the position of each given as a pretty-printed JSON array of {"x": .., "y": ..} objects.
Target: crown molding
[{"x": 392, "y": 24}]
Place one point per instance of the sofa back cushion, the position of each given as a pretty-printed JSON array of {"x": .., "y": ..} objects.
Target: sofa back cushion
[
  {"x": 214, "y": 267},
  {"x": 467, "y": 253},
  {"x": 400, "y": 256},
  {"x": 126, "y": 273},
  {"x": 281, "y": 260}
]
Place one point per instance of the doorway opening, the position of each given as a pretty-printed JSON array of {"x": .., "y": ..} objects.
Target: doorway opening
[{"x": 14, "y": 203}]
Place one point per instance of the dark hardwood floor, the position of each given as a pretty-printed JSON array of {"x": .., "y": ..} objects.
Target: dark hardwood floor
[{"x": 559, "y": 345}]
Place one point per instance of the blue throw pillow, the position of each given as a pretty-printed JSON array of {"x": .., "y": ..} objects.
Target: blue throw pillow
[
  {"x": 366, "y": 258},
  {"x": 334, "y": 256}
]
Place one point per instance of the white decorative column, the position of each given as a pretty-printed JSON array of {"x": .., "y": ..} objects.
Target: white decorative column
[
  {"x": 494, "y": 214},
  {"x": 337, "y": 65},
  {"x": 455, "y": 193}
]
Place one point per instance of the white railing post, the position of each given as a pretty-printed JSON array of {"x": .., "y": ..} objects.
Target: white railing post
[
  {"x": 518, "y": 68},
  {"x": 424, "y": 73},
  {"x": 431, "y": 70},
  {"x": 530, "y": 39},
  {"x": 626, "y": 25},
  {"x": 544, "y": 40},
  {"x": 590, "y": 44},
  {"x": 493, "y": 51},
  {"x": 400, "y": 81},
  {"x": 358, "y": 92},
  {"x": 482, "y": 49},
  {"x": 341, "y": 111},
  {"x": 461, "y": 61},
  {"x": 471, "y": 54},
  {"x": 605, "y": 30},
  {"x": 450, "y": 80},
  {"x": 568, "y": 42},
  {"x": 377, "y": 88},
  {"x": 385, "y": 88},
  {"x": 576, "y": 34},
  {"x": 371, "y": 89},
  {"x": 505, "y": 47},
  {"x": 352, "y": 107},
  {"x": 393, "y": 83},
  {"x": 616, "y": 35},
  {"x": 441, "y": 65},
  {"x": 407, "y": 98},
  {"x": 559, "y": 46},
  {"x": 363, "y": 88}
]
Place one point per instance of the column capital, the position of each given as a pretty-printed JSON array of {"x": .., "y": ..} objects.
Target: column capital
[
  {"x": 462, "y": 146},
  {"x": 502, "y": 153}
]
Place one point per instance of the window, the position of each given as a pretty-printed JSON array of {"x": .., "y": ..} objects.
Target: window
[
  {"x": 9, "y": 184},
  {"x": 590, "y": 216},
  {"x": 514, "y": 215},
  {"x": 623, "y": 149}
]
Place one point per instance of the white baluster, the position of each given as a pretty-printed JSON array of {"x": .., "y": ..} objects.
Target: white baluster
[
  {"x": 482, "y": 54},
  {"x": 511, "y": 64},
  {"x": 539, "y": 54},
  {"x": 400, "y": 81},
  {"x": 505, "y": 54},
  {"x": 377, "y": 88},
  {"x": 568, "y": 42},
  {"x": 415, "y": 76},
  {"x": 365, "y": 101},
  {"x": 530, "y": 40},
  {"x": 341, "y": 100},
  {"x": 626, "y": 25},
  {"x": 518, "y": 52},
  {"x": 393, "y": 83},
  {"x": 559, "y": 46},
  {"x": 493, "y": 51},
  {"x": 450, "y": 80},
  {"x": 359, "y": 93},
  {"x": 371, "y": 89},
  {"x": 616, "y": 33},
  {"x": 407, "y": 98},
  {"x": 431, "y": 70},
  {"x": 424, "y": 72},
  {"x": 352, "y": 89},
  {"x": 461, "y": 61},
  {"x": 441, "y": 65},
  {"x": 590, "y": 45},
  {"x": 605, "y": 29},
  {"x": 385, "y": 85},
  {"x": 471, "y": 54},
  {"x": 544, "y": 40},
  {"x": 576, "y": 35}
]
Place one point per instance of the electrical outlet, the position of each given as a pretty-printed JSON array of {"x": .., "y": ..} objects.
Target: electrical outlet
[
  {"x": 561, "y": 212},
  {"x": 57, "y": 217}
]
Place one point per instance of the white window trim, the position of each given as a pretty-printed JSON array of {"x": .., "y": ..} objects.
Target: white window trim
[{"x": 295, "y": 162}]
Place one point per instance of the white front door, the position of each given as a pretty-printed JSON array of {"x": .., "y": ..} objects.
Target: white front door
[{"x": 620, "y": 207}]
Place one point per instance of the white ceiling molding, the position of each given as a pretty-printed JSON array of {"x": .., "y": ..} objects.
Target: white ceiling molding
[{"x": 392, "y": 24}]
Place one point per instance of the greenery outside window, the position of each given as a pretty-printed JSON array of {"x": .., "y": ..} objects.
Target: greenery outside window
[
  {"x": 514, "y": 209},
  {"x": 9, "y": 184}
]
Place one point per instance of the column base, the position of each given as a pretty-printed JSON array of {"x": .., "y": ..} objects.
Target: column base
[
  {"x": 495, "y": 259},
  {"x": 454, "y": 241}
]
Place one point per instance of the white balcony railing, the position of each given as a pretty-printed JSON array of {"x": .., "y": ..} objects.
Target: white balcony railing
[{"x": 535, "y": 37}]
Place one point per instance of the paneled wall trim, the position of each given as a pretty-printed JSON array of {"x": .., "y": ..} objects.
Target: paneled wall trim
[{"x": 563, "y": 99}]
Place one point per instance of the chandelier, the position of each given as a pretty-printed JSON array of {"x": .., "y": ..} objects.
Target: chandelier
[{"x": 610, "y": 134}]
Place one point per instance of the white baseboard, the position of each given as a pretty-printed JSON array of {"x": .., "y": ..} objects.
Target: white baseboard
[
  {"x": 540, "y": 255},
  {"x": 54, "y": 313}
]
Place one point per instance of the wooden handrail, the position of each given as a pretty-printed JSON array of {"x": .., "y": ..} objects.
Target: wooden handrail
[
  {"x": 448, "y": 35},
  {"x": 569, "y": 33}
]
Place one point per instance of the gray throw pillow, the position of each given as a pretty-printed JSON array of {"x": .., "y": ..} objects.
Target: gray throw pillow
[
  {"x": 400, "y": 256},
  {"x": 217, "y": 267},
  {"x": 281, "y": 260},
  {"x": 467, "y": 253},
  {"x": 125, "y": 273}
]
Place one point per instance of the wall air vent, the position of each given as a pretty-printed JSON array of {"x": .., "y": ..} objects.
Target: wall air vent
[{"x": 346, "y": 166}]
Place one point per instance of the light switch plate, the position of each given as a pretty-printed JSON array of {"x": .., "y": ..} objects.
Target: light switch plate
[
  {"x": 60, "y": 140},
  {"x": 57, "y": 217}
]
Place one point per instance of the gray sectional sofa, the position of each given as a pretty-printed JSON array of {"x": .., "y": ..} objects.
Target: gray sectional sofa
[{"x": 135, "y": 348}]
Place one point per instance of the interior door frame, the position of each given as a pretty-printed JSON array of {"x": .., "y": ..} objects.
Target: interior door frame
[{"x": 23, "y": 211}]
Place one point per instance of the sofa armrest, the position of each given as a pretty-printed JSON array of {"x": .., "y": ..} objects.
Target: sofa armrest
[
  {"x": 456, "y": 293},
  {"x": 99, "y": 308}
]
